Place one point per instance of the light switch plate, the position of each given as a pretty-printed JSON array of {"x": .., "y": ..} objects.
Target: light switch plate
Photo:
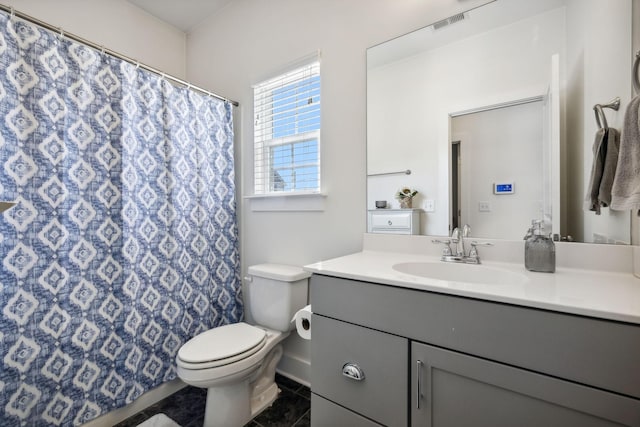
[
  {"x": 430, "y": 205},
  {"x": 484, "y": 207}
]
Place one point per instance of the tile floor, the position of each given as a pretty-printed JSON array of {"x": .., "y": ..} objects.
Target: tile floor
[{"x": 186, "y": 407}]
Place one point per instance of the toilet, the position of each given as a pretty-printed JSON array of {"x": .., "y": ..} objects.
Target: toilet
[{"x": 237, "y": 363}]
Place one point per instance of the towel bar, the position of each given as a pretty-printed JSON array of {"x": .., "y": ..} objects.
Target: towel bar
[
  {"x": 406, "y": 172},
  {"x": 601, "y": 119}
]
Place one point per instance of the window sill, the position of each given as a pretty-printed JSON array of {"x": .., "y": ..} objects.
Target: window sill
[{"x": 292, "y": 202}]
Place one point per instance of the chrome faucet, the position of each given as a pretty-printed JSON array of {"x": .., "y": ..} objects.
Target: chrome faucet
[{"x": 457, "y": 237}]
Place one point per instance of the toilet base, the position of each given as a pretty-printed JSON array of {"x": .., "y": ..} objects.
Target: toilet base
[
  {"x": 264, "y": 390},
  {"x": 264, "y": 400},
  {"x": 237, "y": 403},
  {"x": 228, "y": 405},
  {"x": 232, "y": 405}
]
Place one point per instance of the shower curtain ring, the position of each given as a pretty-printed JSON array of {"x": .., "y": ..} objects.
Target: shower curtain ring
[{"x": 12, "y": 14}]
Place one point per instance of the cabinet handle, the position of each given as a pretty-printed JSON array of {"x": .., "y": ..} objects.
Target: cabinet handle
[
  {"x": 353, "y": 371},
  {"x": 389, "y": 222},
  {"x": 419, "y": 365}
]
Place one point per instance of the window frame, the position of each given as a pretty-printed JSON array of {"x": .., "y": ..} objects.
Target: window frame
[{"x": 263, "y": 167}]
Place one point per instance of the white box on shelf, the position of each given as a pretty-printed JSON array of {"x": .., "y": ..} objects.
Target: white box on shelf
[{"x": 394, "y": 221}]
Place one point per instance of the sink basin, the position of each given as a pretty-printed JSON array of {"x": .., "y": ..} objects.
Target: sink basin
[{"x": 458, "y": 272}]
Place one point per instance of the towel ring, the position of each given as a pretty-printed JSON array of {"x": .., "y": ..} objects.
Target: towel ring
[
  {"x": 636, "y": 74},
  {"x": 601, "y": 118}
]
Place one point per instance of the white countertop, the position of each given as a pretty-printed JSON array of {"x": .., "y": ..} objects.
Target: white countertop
[{"x": 602, "y": 294}]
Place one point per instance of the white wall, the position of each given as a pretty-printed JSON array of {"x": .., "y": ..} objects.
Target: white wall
[
  {"x": 250, "y": 40},
  {"x": 502, "y": 145},
  {"x": 116, "y": 25},
  {"x": 502, "y": 65}
]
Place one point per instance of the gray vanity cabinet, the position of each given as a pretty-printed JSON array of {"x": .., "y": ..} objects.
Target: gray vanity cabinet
[{"x": 431, "y": 359}]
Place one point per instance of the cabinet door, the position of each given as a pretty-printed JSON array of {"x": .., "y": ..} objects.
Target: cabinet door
[
  {"x": 341, "y": 350},
  {"x": 456, "y": 390}
]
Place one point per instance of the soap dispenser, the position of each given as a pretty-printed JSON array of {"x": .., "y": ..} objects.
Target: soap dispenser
[{"x": 539, "y": 250}]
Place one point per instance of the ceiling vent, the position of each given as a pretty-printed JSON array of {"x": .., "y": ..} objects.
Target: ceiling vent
[{"x": 448, "y": 21}]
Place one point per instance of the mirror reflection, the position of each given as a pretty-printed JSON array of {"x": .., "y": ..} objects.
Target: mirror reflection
[{"x": 492, "y": 112}]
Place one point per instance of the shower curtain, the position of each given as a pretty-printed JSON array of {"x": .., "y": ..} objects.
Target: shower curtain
[{"x": 123, "y": 243}]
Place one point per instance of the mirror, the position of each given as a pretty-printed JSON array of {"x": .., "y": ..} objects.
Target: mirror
[{"x": 491, "y": 111}]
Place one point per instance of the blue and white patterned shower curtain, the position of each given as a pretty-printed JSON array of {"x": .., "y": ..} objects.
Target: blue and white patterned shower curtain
[{"x": 123, "y": 244}]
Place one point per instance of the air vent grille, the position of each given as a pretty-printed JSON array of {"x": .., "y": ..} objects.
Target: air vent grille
[{"x": 448, "y": 21}]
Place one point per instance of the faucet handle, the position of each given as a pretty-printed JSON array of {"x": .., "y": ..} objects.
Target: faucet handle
[
  {"x": 473, "y": 253},
  {"x": 446, "y": 251},
  {"x": 466, "y": 230},
  {"x": 474, "y": 243}
]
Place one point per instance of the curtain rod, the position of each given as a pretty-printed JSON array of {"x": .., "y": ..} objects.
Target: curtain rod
[{"x": 113, "y": 53}]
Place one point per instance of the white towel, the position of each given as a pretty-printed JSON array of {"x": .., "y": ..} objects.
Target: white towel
[{"x": 625, "y": 194}]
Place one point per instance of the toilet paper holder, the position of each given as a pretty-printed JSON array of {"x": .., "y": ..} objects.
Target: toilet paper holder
[
  {"x": 353, "y": 371},
  {"x": 302, "y": 319}
]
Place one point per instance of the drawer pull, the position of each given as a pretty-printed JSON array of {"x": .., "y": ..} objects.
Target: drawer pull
[
  {"x": 389, "y": 222},
  {"x": 353, "y": 371},
  {"x": 419, "y": 365}
]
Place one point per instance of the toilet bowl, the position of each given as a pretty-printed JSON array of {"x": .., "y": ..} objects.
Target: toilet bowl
[{"x": 236, "y": 363}]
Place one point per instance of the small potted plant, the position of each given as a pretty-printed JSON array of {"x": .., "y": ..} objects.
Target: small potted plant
[{"x": 405, "y": 197}]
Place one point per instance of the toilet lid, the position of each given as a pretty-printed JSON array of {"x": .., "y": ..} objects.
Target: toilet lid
[{"x": 222, "y": 343}]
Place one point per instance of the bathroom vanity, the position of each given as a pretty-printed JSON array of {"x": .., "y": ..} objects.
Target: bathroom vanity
[{"x": 532, "y": 349}]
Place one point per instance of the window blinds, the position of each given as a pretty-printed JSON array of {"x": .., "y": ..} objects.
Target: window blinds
[{"x": 287, "y": 132}]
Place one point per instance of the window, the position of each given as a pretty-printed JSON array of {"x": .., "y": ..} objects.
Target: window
[{"x": 287, "y": 132}]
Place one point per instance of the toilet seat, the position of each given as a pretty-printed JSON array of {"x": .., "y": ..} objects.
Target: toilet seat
[{"x": 221, "y": 346}]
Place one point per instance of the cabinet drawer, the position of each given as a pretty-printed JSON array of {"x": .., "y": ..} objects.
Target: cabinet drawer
[
  {"x": 383, "y": 392},
  {"x": 327, "y": 414},
  {"x": 391, "y": 220},
  {"x": 397, "y": 221}
]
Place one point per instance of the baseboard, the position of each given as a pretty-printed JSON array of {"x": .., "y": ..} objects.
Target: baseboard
[
  {"x": 295, "y": 368},
  {"x": 147, "y": 399}
]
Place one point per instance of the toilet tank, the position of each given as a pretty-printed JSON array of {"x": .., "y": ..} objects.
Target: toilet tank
[{"x": 275, "y": 293}]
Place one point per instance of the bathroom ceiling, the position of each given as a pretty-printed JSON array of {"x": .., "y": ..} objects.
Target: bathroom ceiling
[{"x": 183, "y": 14}]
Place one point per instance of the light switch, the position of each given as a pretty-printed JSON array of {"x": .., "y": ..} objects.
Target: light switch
[
  {"x": 430, "y": 205},
  {"x": 484, "y": 207}
]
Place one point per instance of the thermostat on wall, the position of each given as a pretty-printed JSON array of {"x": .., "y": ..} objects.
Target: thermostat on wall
[{"x": 504, "y": 188}]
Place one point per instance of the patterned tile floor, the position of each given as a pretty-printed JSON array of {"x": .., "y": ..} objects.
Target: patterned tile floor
[{"x": 186, "y": 407}]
